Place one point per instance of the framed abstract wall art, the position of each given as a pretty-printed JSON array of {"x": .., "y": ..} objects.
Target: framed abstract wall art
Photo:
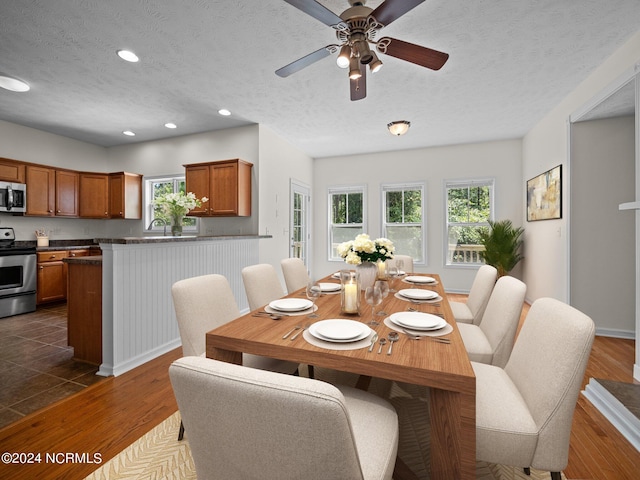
[{"x": 544, "y": 195}]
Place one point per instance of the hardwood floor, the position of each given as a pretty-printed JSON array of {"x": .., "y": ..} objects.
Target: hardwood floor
[{"x": 107, "y": 417}]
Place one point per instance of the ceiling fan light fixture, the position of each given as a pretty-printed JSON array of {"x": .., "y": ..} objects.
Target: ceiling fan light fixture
[
  {"x": 344, "y": 57},
  {"x": 376, "y": 63},
  {"x": 13, "y": 84},
  {"x": 364, "y": 52},
  {"x": 354, "y": 69},
  {"x": 399, "y": 128}
]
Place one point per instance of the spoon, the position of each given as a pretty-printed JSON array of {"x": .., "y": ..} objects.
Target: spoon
[
  {"x": 393, "y": 337},
  {"x": 382, "y": 342}
]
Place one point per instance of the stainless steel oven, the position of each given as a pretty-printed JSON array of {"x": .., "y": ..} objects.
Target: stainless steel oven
[{"x": 17, "y": 276}]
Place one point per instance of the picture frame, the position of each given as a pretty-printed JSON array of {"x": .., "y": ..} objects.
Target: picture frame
[{"x": 544, "y": 195}]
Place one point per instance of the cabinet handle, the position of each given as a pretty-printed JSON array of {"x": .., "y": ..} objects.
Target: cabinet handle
[
  {"x": 52, "y": 256},
  {"x": 41, "y": 267},
  {"x": 58, "y": 211},
  {"x": 72, "y": 255}
]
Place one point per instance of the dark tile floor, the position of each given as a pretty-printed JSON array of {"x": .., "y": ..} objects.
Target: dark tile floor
[{"x": 36, "y": 364}]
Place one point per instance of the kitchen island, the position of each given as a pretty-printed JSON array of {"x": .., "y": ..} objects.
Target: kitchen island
[{"x": 138, "y": 318}]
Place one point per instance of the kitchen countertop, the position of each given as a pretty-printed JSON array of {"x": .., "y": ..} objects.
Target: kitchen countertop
[
  {"x": 183, "y": 238},
  {"x": 87, "y": 260}
]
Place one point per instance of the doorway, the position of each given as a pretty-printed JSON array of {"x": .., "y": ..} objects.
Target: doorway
[{"x": 299, "y": 222}]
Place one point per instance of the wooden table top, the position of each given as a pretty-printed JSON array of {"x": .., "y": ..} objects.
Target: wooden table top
[{"x": 420, "y": 362}]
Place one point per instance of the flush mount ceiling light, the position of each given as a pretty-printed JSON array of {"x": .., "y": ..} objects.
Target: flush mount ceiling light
[
  {"x": 128, "y": 55},
  {"x": 129, "y": 133},
  {"x": 170, "y": 125},
  {"x": 224, "y": 111},
  {"x": 399, "y": 128},
  {"x": 13, "y": 84}
]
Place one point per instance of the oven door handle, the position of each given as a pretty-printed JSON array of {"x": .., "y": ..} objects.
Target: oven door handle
[{"x": 9, "y": 197}]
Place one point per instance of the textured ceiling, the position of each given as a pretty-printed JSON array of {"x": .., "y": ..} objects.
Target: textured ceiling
[{"x": 511, "y": 61}]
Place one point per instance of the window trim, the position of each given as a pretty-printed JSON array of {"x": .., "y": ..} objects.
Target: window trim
[
  {"x": 468, "y": 182},
  {"x": 332, "y": 190},
  {"x": 147, "y": 207},
  {"x": 422, "y": 186}
]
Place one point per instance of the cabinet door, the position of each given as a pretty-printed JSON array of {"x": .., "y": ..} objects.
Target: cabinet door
[
  {"x": 125, "y": 195},
  {"x": 66, "y": 193},
  {"x": 94, "y": 195},
  {"x": 52, "y": 282},
  {"x": 197, "y": 181},
  {"x": 41, "y": 188},
  {"x": 224, "y": 189},
  {"x": 12, "y": 171}
]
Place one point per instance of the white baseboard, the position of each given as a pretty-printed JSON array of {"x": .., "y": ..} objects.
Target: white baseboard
[{"x": 614, "y": 411}]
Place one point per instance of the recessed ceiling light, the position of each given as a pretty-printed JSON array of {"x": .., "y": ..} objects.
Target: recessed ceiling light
[
  {"x": 13, "y": 84},
  {"x": 129, "y": 133},
  {"x": 170, "y": 125},
  {"x": 224, "y": 111},
  {"x": 128, "y": 55}
]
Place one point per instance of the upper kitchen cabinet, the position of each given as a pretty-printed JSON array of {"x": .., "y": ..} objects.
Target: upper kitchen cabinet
[
  {"x": 125, "y": 195},
  {"x": 227, "y": 185},
  {"x": 94, "y": 195},
  {"x": 51, "y": 192},
  {"x": 12, "y": 171}
]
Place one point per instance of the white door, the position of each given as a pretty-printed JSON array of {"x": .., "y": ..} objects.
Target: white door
[{"x": 299, "y": 222}]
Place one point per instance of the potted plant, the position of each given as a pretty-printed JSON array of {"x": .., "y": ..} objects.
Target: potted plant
[{"x": 501, "y": 245}]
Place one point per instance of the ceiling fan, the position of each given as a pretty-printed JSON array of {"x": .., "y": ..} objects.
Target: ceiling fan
[{"x": 356, "y": 28}]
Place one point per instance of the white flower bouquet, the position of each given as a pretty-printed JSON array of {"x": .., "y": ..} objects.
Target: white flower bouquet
[{"x": 363, "y": 249}]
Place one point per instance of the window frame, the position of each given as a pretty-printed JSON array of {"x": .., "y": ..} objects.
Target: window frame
[
  {"x": 337, "y": 190},
  {"x": 469, "y": 183},
  {"x": 147, "y": 208},
  {"x": 384, "y": 188}
]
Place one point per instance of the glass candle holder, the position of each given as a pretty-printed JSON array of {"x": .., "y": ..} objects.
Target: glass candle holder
[
  {"x": 382, "y": 270},
  {"x": 349, "y": 292}
]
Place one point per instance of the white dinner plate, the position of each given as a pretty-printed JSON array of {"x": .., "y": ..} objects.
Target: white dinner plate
[
  {"x": 291, "y": 304},
  {"x": 417, "y": 294},
  {"x": 418, "y": 320},
  {"x": 417, "y": 279},
  {"x": 339, "y": 330},
  {"x": 330, "y": 287},
  {"x": 335, "y": 275}
]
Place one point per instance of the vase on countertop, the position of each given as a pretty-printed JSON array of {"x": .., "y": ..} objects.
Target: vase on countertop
[
  {"x": 176, "y": 226},
  {"x": 368, "y": 272}
]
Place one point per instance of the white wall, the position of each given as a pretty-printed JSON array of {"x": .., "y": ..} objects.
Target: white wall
[
  {"x": 501, "y": 160},
  {"x": 545, "y": 146}
]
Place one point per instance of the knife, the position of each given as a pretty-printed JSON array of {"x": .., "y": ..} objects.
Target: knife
[{"x": 374, "y": 339}]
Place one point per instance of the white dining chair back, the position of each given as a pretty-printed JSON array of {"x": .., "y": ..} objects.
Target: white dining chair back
[
  {"x": 295, "y": 273},
  {"x": 407, "y": 262},
  {"x": 473, "y": 309},
  {"x": 492, "y": 341},
  {"x": 250, "y": 424},
  {"x": 524, "y": 411},
  {"x": 261, "y": 284}
]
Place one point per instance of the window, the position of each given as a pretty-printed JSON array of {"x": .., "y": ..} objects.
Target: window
[
  {"x": 154, "y": 186},
  {"x": 346, "y": 216},
  {"x": 469, "y": 208},
  {"x": 403, "y": 219}
]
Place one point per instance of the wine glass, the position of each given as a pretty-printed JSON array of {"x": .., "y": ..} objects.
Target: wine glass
[
  {"x": 383, "y": 285},
  {"x": 313, "y": 292},
  {"x": 373, "y": 296},
  {"x": 392, "y": 273}
]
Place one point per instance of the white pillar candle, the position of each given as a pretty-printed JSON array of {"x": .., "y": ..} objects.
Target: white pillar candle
[{"x": 351, "y": 297}]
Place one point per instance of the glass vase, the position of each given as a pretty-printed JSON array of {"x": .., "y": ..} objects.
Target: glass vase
[
  {"x": 176, "y": 226},
  {"x": 349, "y": 292},
  {"x": 368, "y": 273}
]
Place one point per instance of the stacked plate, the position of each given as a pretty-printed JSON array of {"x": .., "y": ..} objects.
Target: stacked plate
[
  {"x": 420, "y": 280},
  {"x": 329, "y": 287},
  {"x": 420, "y": 321},
  {"x": 418, "y": 294},
  {"x": 291, "y": 304},
  {"x": 339, "y": 330}
]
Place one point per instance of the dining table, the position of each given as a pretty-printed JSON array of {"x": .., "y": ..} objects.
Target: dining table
[{"x": 444, "y": 367}]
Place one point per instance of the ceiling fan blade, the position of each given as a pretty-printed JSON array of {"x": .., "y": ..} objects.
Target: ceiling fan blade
[
  {"x": 410, "y": 52},
  {"x": 317, "y": 11},
  {"x": 391, "y": 10},
  {"x": 307, "y": 60},
  {"x": 358, "y": 86}
]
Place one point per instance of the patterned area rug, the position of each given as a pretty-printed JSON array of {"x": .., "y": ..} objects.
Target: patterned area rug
[{"x": 159, "y": 455}]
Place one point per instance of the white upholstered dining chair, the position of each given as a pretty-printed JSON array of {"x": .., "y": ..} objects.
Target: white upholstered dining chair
[
  {"x": 481, "y": 288},
  {"x": 524, "y": 411},
  {"x": 407, "y": 262},
  {"x": 492, "y": 340},
  {"x": 261, "y": 284},
  {"x": 204, "y": 303},
  {"x": 250, "y": 424},
  {"x": 295, "y": 273}
]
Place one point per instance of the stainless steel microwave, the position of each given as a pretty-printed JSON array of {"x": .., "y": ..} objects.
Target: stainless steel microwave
[{"x": 13, "y": 197}]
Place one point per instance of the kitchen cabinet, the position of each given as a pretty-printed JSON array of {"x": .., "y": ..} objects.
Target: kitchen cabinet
[
  {"x": 12, "y": 171},
  {"x": 51, "y": 192},
  {"x": 94, "y": 195},
  {"x": 125, "y": 195},
  {"x": 52, "y": 278},
  {"x": 227, "y": 185}
]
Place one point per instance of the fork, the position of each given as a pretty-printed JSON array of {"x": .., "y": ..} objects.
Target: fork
[
  {"x": 297, "y": 327},
  {"x": 302, "y": 329}
]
